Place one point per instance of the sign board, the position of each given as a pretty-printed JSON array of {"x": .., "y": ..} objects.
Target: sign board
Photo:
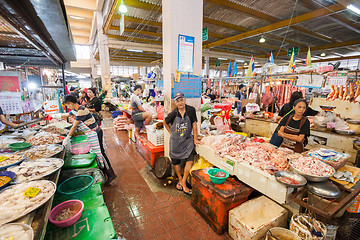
[
  {"x": 337, "y": 78},
  {"x": 122, "y": 24},
  {"x": 9, "y": 81},
  {"x": 189, "y": 84},
  {"x": 10, "y": 102},
  {"x": 186, "y": 53},
  {"x": 217, "y": 64},
  {"x": 296, "y": 50},
  {"x": 51, "y": 106},
  {"x": 205, "y": 35},
  {"x": 310, "y": 81}
]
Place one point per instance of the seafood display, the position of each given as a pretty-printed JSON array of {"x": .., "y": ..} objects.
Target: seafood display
[
  {"x": 16, "y": 231},
  {"x": 44, "y": 138},
  {"x": 312, "y": 166},
  {"x": 10, "y": 159},
  {"x": 288, "y": 180},
  {"x": 15, "y": 203},
  {"x": 4, "y": 142},
  {"x": 260, "y": 155},
  {"x": 36, "y": 169},
  {"x": 54, "y": 130},
  {"x": 345, "y": 93},
  {"x": 42, "y": 151},
  {"x": 65, "y": 214}
]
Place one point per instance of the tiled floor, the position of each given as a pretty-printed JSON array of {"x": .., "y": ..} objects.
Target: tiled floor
[{"x": 139, "y": 208}]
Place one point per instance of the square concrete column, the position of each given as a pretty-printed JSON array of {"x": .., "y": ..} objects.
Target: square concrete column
[
  {"x": 103, "y": 54},
  {"x": 180, "y": 17}
]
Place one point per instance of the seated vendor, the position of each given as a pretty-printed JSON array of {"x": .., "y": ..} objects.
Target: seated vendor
[
  {"x": 295, "y": 128},
  {"x": 207, "y": 94},
  {"x": 139, "y": 115}
]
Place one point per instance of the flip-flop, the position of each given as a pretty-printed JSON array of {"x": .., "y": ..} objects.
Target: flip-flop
[
  {"x": 188, "y": 193},
  {"x": 179, "y": 189}
]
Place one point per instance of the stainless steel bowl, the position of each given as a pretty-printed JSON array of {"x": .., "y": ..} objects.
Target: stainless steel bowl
[
  {"x": 291, "y": 175},
  {"x": 345, "y": 132},
  {"x": 312, "y": 178}
]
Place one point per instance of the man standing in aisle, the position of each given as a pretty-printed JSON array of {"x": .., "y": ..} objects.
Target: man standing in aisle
[
  {"x": 240, "y": 95},
  {"x": 181, "y": 123},
  {"x": 138, "y": 112}
]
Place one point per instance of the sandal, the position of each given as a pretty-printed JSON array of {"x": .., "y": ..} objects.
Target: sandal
[
  {"x": 188, "y": 193},
  {"x": 179, "y": 187}
]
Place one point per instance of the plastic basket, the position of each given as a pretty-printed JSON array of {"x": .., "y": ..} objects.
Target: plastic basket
[
  {"x": 76, "y": 184},
  {"x": 154, "y": 136},
  {"x": 114, "y": 114},
  {"x": 78, "y": 139}
]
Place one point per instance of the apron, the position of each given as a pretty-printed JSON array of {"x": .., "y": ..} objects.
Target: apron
[
  {"x": 93, "y": 141},
  {"x": 293, "y": 145},
  {"x": 181, "y": 139}
]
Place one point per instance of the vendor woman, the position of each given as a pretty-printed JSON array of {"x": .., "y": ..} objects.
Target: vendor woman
[
  {"x": 86, "y": 123},
  {"x": 295, "y": 128}
]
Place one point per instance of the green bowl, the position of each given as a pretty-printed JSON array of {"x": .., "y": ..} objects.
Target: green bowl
[
  {"x": 217, "y": 180},
  {"x": 78, "y": 139},
  {"x": 19, "y": 146},
  {"x": 76, "y": 184}
]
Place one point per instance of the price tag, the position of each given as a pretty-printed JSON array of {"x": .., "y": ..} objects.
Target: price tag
[
  {"x": 31, "y": 192},
  {"x": 3, "y": 158},
  {"x": 228, "y": 164}
]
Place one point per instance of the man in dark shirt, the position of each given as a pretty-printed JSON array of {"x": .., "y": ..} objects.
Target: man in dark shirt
[
  {"x": 240, "y": 95},
  {"x": 181, "y": 123}
]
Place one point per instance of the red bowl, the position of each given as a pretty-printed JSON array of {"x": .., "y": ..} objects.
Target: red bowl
[{"x": 74, "y": 205}]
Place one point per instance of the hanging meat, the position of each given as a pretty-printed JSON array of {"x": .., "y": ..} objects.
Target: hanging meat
[
  {"x": 336, "y": 95},
  {"x": 341, "y": 92},
  {"x": 346, "y": 91},
  {"x": 357, "y": 93},
  {"x": 332, "y": 93},
  {"x": 351, "y": 93}
]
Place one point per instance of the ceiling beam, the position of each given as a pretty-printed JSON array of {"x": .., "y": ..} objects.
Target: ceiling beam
[
  {"x": 79, "y": 24},
  {"x": 312, "y": 5},
  {"x": 84, "y": 4},
  {"x": 81, "y": 40},
  {"x": 323, "y": 47},
  {"x": 134, "y": 39},
  {"x": 117, "y": 44},
  {"x": 336, "y": 59},
  {"x": 79, "y": 12},
  {"x": 115, "y": 5},
  {"x": 143, "y": 5},
  {"x": 288, "y": 22},
  {"x": 78, "y": 32},
  {"x": 140, "y": 21},
  {"x": 155, "y": 34}
]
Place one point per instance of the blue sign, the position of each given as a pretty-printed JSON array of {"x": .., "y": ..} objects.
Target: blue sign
[
  {"x": 189, "y": 84},
  {"x": 186, "y": 53}
]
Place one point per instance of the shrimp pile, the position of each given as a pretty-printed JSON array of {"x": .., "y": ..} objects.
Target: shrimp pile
[
  {"x": 35, "y": 169},
  {"x": 16, "y": 231},
  {"x": 12, "y": 158},
  {"x": 41, "y": 151},
  {"x": 312, "y": 166},
  {"x": 260, "y": 155},
  {"x": 14, "y": 204},
  {"x": 54, "y": 130},
  {"x": 43, "y": 138}
]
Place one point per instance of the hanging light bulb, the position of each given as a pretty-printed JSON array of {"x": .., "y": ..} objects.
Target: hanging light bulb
[
  {"x": 262, "y": 39},
  {"x": 122, "y": 7},
  {"x": 323, "y": 54}
]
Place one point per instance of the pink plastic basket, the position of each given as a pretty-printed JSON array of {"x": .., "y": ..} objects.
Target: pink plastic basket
[
  {"x": 80, "y": 148},
  {"x": 74, "y": 205}
]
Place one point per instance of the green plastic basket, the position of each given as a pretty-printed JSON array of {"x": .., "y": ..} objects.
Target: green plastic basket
[
  {"x": 78, "y": 139},
  {"x": 217, "y": 180},
  {"x": 75, "y": 184},
  {"x": 19, "y": 146}
]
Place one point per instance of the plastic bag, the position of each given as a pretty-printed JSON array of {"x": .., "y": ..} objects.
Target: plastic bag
[
  {"x": 200, "y": 164},
  {"x": 302, "y": 225}
]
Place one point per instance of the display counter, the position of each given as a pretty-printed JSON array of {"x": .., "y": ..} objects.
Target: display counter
[{"x": 318, "y": 137}]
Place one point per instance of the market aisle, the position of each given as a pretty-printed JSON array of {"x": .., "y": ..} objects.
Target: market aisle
[{"x": 137, "y": 211}]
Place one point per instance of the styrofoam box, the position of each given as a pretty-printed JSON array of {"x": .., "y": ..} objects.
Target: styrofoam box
[{"x": 252, "y": 219}]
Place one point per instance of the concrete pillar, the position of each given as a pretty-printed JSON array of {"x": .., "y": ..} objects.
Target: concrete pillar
[
  {"x": 180, "y": 17},
  {"x": 93, "y": 64},
  {"x": 104, "y": 54}
]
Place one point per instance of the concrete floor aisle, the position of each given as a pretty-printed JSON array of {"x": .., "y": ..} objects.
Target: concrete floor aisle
[{"x": 139, "y": 207}]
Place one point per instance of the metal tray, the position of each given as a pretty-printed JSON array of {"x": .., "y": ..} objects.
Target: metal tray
[
  {"x": 13, "y": 164},
  {"x": 291, "y": 175},
  {"x": 324, "y": 189},
  {"x": 312, "y": 178},
  {"x": 25, "y": 227},
  {"x": 34, "y": 206}
]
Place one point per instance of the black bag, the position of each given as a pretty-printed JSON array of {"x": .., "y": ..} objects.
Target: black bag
[{"x": 98, "y": 118}]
